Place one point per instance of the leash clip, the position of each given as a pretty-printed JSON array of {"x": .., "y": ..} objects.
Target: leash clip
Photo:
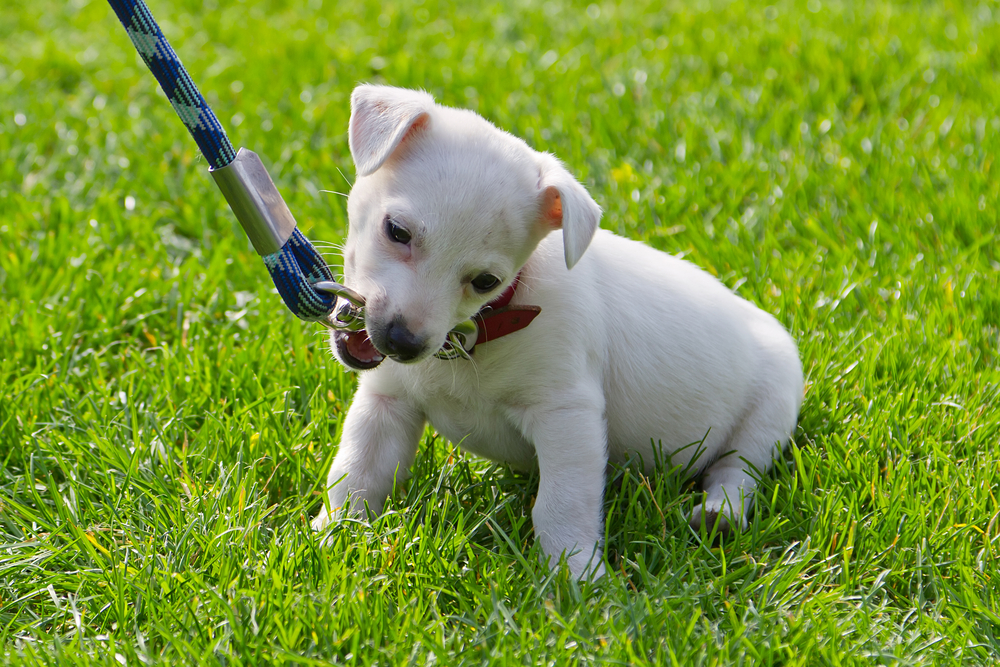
[{"x": 350, "y": 314}]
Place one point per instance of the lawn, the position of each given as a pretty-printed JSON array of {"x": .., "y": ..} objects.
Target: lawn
[{"x": 166, "y": 425}]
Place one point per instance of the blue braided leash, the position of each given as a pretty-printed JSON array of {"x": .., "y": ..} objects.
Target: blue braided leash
[{"x": 297, "y": 266}]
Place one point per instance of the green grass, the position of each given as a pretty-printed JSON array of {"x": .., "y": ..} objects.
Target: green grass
[{"x": 166, "y": 426}]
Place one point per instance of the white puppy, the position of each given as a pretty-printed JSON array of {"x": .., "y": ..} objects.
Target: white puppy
[{"x": 635, "y": 353}]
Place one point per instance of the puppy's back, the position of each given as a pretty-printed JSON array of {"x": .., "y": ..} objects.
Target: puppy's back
[{"x": 685, "y": 356}]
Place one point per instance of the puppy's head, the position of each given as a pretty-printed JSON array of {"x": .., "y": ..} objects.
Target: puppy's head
[{"x": 445, "y": 211}]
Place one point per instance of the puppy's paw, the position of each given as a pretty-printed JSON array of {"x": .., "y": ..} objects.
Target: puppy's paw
[
  {"x": 586, "y": 569},
  {"x": 715, "y": 517},
  {"x": 324, "y": 519},
  {"x": 594, "y": 573}
]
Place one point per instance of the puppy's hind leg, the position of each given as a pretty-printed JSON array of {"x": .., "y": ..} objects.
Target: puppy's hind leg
[{"x": 730, "y": 481}]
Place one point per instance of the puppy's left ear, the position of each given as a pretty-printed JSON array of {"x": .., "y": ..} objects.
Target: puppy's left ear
[{"x": 566, "y": 205}]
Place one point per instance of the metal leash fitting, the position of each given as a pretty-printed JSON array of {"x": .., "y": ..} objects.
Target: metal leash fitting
[
  {"x": 349, "y": 315},
  {"x": 294, "y": 264}
]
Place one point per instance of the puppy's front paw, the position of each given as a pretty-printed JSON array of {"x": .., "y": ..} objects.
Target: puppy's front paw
[
  {"x": 580, "y": 567},
  {"x": 324, "y": 519}
]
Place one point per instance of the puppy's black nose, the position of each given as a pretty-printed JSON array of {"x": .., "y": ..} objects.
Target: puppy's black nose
[{"x": 401, "y": 343}]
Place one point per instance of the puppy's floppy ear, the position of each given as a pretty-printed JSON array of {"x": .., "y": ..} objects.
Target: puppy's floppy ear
[
  {"x": 381, "y": 118},
  {"x": 566, "y": 205}
]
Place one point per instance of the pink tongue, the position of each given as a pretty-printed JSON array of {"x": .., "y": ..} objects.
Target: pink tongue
[{"x": 361, "y": 348}]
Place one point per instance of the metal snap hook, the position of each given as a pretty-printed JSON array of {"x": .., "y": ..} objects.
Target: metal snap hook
[
  {"x": 347, "y": 293},
  {"x": 348, "y": 315}
]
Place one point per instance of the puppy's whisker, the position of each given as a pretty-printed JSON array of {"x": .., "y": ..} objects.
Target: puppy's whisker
[
  {"x": 525, "y": 289},
  {"x": 345, "y": 177},
  {"x": 475, "y": 368},
  {"x": 454, "y": 379},
  {"x": 334, "y": 192},
  {"x": 331, "y": 247}
]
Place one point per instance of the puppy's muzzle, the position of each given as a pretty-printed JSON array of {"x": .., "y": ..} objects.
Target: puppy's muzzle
[{"x": 355, "y": 348}]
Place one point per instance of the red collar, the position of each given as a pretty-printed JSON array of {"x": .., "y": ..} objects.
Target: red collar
[{"x": 498, "y": 318}]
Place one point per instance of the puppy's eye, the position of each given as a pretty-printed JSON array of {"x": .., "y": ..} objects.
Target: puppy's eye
[
  {"x": 485, "y": 282},
  {"x": 395, "y": 232}
]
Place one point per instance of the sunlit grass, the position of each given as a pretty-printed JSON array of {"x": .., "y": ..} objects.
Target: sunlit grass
[{"x": 166, "y": 426}]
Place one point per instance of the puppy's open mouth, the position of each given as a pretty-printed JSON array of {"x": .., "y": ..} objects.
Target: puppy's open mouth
[{"x": 356, "y": 350}]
